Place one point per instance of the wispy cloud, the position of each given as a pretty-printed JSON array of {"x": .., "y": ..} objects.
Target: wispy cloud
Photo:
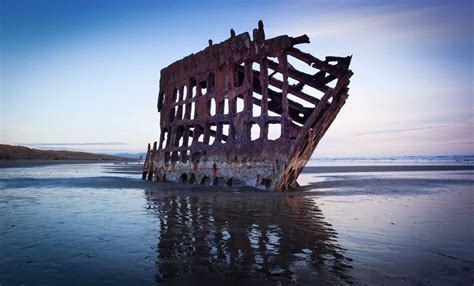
[
  {"x": 463, "y": 128},
  {"x": 394, "y": 131},
  {"x": 388, "y": 23}
]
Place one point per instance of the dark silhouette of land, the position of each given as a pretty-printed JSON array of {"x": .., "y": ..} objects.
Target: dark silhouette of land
[{"x": 11, "y": 156}]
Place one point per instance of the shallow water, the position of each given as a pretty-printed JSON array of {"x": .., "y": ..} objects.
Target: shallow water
[{"x": 100, "y": 224}]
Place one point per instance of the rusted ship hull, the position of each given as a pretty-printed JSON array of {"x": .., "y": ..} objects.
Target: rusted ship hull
[{"x": 240, "y": 113}]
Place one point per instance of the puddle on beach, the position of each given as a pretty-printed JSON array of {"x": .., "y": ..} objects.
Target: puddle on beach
[{"x": 80, "y": 224}]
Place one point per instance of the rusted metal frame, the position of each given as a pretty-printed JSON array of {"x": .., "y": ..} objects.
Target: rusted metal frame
[
  {"x": 208, "y": 99},
  {"x": 273, "y": 44},
  {"x": 232, "y": 110},
  {"x": 339, "y": 98},
  {"x": 196, "y": 132},
  {"x": 303, "y": 39},
  {"x": 241, "y": 48},
  {"x": 170, "y": 136},
  {"x": 186, "y": 136},
  {"x": 203, "y": 101},
  {"x": 300, "y": 76},
  {"x": 211, "y": 133},
  {"x": 329, "y": 78},
  {"x": 285, "y": 117},
  {"x": 295, "y": 108},
  {"x": 295, "y": 91},
  {"x": 300, "y": 141},
  {"x": 274, "y": 96},
  {"x": 331, "y": 92},
  {"x": 167, "y": 98},
  {"x": 189, "y": 61},
  {"x": 159, "y": 104},
  {"x": 315, "y": 62},
  {"x": 248, "y": 99},
  {"x": 161, "y": 139},
  {"x": 340, "y": 88},
  {"x": 314, "y": 138},
  {"x": 151, "y": 163},
  {"x": 320, "y": 76},
  {"x": 146, "y": 167},
  {"x": 219, "y": 112},
  {"x": 175, "y": 140},
  {"x": 263, "y": 79},
  {"x": 207, "y": 131},
  {"x": 179, "y": 104},
  {"x": 319, "y": 108},
  {"x": 275, "y": 103},
  {"x": 187, "y": 111},
  {"x": 275, "y": 106},
  {"x": 292, "y": 89},
  {"x": 329, "y": 120},
  {"x": 311, "y": 135}
]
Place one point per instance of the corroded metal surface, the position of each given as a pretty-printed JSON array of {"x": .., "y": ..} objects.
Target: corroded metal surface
[{"x": 241, "y": 113}]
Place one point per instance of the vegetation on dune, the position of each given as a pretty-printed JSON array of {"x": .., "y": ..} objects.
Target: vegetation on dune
[{"x": 9, "y": 152}]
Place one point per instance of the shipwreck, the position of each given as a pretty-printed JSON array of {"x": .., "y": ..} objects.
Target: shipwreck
[{"x": 245, "y": 112}]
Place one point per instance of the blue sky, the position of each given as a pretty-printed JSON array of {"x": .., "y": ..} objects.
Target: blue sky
[{"x": 84, "y": 74}]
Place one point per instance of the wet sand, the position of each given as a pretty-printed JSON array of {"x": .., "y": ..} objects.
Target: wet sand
[{"x": 101, "y": 224}]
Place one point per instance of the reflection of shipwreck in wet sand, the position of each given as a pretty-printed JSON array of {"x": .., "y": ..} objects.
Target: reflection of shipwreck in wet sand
[
  {"x": 239, "y": 112},
  {"x": 263, "y": 239}
]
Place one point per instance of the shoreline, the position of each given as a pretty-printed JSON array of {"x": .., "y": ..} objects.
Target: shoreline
[{"x": 307, "y": 170}]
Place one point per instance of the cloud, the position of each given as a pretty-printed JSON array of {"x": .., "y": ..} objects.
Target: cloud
[
  {"x": 393, "y": 131},
  {"x": 388, "y": 23}
]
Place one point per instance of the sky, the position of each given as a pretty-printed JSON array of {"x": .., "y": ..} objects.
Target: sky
[{"x": 84, "y": 75}]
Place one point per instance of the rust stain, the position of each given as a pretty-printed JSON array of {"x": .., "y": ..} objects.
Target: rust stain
[{"x": 221, "y": 108}]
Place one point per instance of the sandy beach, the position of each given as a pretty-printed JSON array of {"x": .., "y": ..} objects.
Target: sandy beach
[{"x": 82, "y": 223}]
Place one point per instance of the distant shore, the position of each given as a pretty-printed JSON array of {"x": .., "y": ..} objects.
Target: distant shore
[
  {"x": 44, "y": 162},
  {"x": 21, "y": 156}
]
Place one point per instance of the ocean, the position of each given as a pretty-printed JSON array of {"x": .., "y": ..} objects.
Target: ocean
[{"x": 357, "y": 221}]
